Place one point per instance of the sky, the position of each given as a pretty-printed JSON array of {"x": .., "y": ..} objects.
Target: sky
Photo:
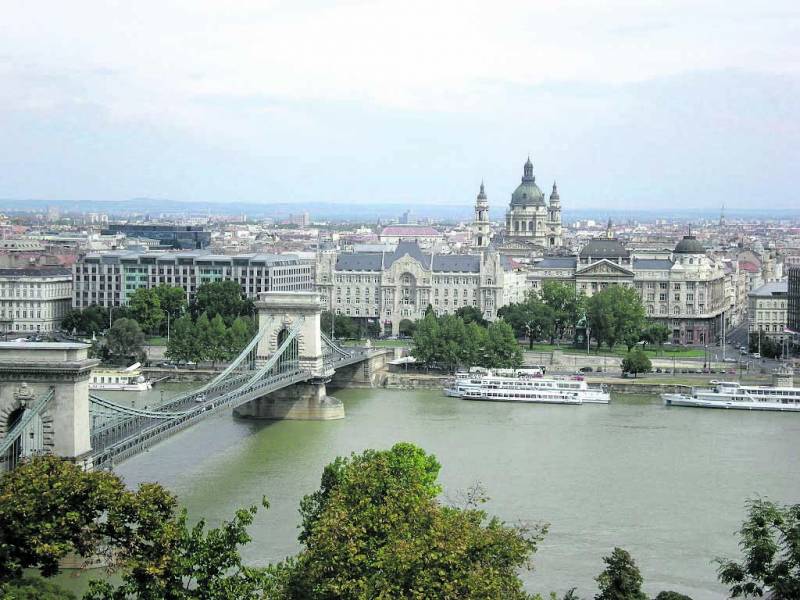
[{"x": 628, "y": 104}]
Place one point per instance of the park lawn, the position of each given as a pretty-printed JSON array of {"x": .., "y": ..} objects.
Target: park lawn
[
  {"x": 620, "y": 350},
  {"x": 156, "y": 340}
]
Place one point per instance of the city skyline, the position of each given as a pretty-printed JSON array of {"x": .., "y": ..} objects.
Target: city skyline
[{"x": 625, "y": 106}]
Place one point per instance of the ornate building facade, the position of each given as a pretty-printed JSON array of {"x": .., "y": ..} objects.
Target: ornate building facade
[
  {"x": 686, "y": 291},
  {"x": 398, "y": 285},
  {"x": 532, "y": 224}
]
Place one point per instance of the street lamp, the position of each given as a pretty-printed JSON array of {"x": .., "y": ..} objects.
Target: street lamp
[{"x": 166, "y": 311}]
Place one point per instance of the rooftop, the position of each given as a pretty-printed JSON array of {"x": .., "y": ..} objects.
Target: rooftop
[
  {"x": 410, "y": 231},
  {"x": 775, "y": 288}
]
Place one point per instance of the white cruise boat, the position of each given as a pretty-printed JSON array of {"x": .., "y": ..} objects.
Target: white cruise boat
[
  {"x": 782, "y": 396},
  {"x": 129, "y": 379},
  {"x": 527, "y": 389},
  {"x": 471, "y": 379}
]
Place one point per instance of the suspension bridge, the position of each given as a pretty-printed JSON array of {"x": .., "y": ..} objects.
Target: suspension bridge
[{"x": 45, "y": 404}]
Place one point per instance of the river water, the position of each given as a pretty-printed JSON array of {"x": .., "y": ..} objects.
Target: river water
[{"x": 668, "y": 484}]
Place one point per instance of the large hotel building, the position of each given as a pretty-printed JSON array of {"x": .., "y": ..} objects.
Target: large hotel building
[{"x": 107, "y": 279}]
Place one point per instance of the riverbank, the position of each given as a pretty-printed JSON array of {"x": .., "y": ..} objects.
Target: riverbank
[{"x": 646, "y": 384}]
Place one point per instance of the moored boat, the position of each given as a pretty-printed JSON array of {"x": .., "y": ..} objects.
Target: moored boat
[
  {"x": 781, "y": 396},
  {"x": 129, "y": 379},
  {"x": 521, "y": 387}
]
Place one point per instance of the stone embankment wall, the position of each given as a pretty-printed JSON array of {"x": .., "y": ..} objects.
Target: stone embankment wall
[{"x": 560, "y": 361}]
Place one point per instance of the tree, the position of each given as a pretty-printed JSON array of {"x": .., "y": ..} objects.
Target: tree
[
  {"x": 621, "y": 579},
  {"x": 615, "y": 314},
  {"x": 502, "y": 349},
  {"x": 34, "y": 588},
  {"x": 426, "y": 340},
  {"x": 91, "y": 320},
  {"x": 145, "y": 307},
  {"x": 217, "y": 349},
  {"x": 223, "y": 298},
  {"x": 566, "y": 304},
  {"x": 471, "y": 314},
  {"x": 532, "y": 319},
  {"x": 238, "y": 336},
  {"x": 655, "y": 333},
  {"x": 205, "y": 341},
  {"x": 671, "y": 596},
  {"x": 407, "y": 327},
  {"x": 50, "y": 507},
  {"x": 172, "y": 299},
  {"x": 770, "y": 540},
  {"x": 125, "y": 338},
  {"x": 183, "y": 344},
  {"x": 636, "y": 362},
  {"x": 375, "y": 529}
]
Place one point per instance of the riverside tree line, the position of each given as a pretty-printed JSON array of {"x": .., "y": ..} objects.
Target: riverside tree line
[
  {"x": 375, "y": 528},
  {"x": 214, "y": 327},
  {"x": 612, "y": 316}
]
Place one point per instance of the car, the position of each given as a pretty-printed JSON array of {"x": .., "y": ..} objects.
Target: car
[
  {"x": 730, "y": 359},
  {"x": 743, "y": 351},
  {"x": 756, "y": 355}
]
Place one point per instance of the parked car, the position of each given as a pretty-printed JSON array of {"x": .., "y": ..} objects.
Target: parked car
[{"x": 756, "y": 355}]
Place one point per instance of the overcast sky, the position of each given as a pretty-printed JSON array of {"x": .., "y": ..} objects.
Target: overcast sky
[{"x": 628, "y": 104}]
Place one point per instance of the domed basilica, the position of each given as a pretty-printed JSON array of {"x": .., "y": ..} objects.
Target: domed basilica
[{"x": 532, "y": 226}]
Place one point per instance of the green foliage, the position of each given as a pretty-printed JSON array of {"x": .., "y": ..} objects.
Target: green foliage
[
  {"x": 615, "y": 314},
  {"x": 172, "y": 299},
  {"x": 770, "y": 541},
  {"x": 376, "y": 530},
  {"x": 671, "y": 596},
  {"x": 655, "y": 333},
  {"x": 223, "y": 298},
  {"x": 217, "y": 339},
  {"x": 91, "y": 320},
  {"x": 502, "y": 349},
  {"x": 343, "y": 326},
  {"x": 183, "y": 345},
  {"x": 566, "y": 304},
  {"x": 125, "y": 338},
  {"x": 407, "y": 327},
  {"x": 532, "y": 319},
  {"x": 448, "y": 342},
  {"x": 768, "y": 348},
  {"x": 34, "y": 588},
  {"x": 621, "y": 579},
  {"x": 238, "y": 336},
  {"x": 636, "y": 362},
  {"x": 145, "y": 307},
  {"x": 471, "y": 314},
  {"x": 49, "y": 508}
]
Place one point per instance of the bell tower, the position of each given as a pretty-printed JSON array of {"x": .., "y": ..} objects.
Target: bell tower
[{"x": 481, "y": 230}]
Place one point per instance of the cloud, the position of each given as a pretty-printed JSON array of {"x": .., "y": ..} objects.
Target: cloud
[{"x": 622, "y": 101}]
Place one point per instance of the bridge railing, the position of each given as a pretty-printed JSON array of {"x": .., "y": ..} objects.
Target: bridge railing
[{"x": 117, "y": 437}]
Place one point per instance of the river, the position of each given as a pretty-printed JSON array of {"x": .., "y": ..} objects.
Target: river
[{"x": 667, "y": 484}]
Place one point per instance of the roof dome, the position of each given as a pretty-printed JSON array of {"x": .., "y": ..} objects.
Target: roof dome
[
  {"x": 527, "y": 192},
  {"x": 689, "y": 245}
]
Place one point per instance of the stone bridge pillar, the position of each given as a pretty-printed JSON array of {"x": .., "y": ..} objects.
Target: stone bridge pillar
[
  {"x": 28, "y": 370},
  {"x": 278, "y": 312}
]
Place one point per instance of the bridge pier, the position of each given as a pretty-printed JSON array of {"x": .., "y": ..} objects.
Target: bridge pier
[
  {"x": 28, "y": 372},
  {"x": 307, "y": 400}
]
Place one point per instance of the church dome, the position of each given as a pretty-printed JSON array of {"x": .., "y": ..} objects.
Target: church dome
[
  {"x": 690, "y": 245},
  {"x": 527, "y": 192}
]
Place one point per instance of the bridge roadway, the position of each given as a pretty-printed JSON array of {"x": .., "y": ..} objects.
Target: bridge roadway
[{"x": 123, "y": 439}]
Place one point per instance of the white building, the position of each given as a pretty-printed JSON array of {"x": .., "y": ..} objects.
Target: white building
[
  {"x": 767, "y": 310},
  {"x": 34, "y": 300},
  {"x": 685, "y": 291},
  {"x": 107, "y": 279},
  {"x": 399, "y": 285}
]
